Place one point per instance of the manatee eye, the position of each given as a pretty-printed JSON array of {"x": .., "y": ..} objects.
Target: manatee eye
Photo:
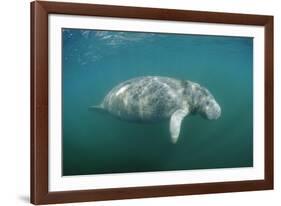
[{"x": 207, "y": 103}]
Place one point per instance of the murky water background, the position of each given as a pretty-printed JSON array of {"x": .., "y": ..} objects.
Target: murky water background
[{"x": 96, "y": 61}]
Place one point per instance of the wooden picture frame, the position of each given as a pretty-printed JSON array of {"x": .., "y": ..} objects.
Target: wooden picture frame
[{"x": 40, "y": 193}]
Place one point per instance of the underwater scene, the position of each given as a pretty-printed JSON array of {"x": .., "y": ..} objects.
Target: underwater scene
[{"x": 147, "y": 102}]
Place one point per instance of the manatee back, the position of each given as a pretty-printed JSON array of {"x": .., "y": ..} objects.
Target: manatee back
[{"x": 144, "y": 98}]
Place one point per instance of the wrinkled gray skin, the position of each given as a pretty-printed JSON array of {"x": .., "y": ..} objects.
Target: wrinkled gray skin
[{"x": 155, "y": 98}]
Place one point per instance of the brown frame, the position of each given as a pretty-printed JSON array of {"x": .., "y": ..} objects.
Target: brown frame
[{"x": 39, "y": 102}]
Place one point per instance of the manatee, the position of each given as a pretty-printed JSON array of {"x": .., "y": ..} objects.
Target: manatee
[{"x": 154, "y": 98}]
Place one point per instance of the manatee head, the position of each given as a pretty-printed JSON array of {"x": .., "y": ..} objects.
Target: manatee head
[
  {"x": 208, "y": 106},
  {"x": 203, "y": 101},
  {"x": 210, "y": 109}
]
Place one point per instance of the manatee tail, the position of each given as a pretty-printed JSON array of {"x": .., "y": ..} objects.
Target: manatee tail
[{"x": 97, "y": 108}]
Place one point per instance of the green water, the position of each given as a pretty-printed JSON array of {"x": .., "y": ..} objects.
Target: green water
[{"x": 96, "y": 61}]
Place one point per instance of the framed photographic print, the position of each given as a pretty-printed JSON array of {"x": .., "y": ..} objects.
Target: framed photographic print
[{"x": 131, "y": 102}]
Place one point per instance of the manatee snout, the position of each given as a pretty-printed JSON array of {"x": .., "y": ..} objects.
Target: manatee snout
[{"x": 213, "y": 110}]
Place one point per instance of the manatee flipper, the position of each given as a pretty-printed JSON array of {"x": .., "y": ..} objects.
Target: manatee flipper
[{"x": 175, "y": 123}]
